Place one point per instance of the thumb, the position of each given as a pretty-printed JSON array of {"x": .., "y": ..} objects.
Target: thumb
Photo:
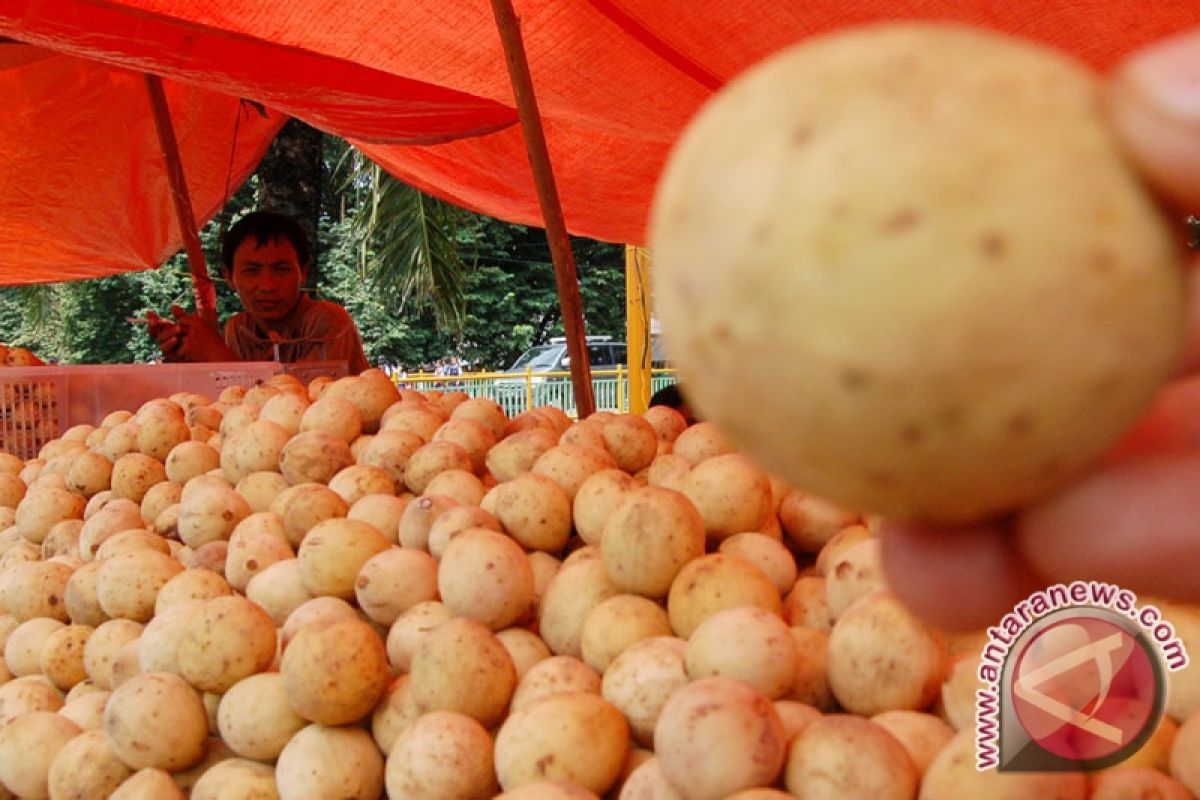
[{"x": 1156, "y": 111}]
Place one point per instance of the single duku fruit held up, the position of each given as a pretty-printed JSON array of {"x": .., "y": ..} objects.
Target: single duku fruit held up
[{"x": 908, "y": 268}]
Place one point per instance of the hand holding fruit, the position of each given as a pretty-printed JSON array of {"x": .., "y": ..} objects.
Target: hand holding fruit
[
  {"x": 974, "y": 294},
  {"x": 1136, "y": 520}
]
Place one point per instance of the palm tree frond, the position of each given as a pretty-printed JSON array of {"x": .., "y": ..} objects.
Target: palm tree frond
[
  {"x": 37, "y": 300},
  {"x": 407, "y": 239}
]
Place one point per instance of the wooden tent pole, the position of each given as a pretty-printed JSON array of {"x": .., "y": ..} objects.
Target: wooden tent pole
[
  {"x": 565, "y": 274},
  {"x": 206, "y": 291}
]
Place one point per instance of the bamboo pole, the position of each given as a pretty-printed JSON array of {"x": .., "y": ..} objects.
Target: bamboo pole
[
  {"x": 565, "y": 275},
  {"x": 206, "y": 291},
  {"x": 637, "y": 327}
]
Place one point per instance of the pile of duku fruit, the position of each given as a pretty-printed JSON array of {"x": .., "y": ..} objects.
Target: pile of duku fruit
[{"x": 348, "y": 590}]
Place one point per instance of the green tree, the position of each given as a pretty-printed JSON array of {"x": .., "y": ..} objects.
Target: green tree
[
  {"x": 27, "y": 318},
  {"x": 292, "y": 179},
  {"x": 406, "y": 240},
  {"x": 511, "y": 295},
  {"x": 92, "y": 320},
  {"x": 408, "y": 338}
]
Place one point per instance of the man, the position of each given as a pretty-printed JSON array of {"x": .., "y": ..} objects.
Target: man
[{"x": 265, "y": 257}]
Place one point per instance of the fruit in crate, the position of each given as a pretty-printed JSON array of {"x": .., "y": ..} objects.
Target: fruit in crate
[
  {"x": 28, "y": 406},
  {"x": 18, "y": 357}
]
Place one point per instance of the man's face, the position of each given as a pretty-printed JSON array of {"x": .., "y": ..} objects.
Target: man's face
[{"x": 267, "y": 278}]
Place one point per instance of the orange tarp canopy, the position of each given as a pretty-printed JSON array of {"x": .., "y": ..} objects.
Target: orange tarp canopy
[
  {"x": 83, "y": 183},
  {"x": 419, "y": 85}
]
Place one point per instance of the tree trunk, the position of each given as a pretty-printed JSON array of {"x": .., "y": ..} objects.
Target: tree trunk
[{"x": 292, "y": 179}]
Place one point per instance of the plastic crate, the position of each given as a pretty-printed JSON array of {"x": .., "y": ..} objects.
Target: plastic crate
[
  {"x": 39, "y": 403},
  {"x": 33, "y": 408},
  {"x": 307, "y": 370}
]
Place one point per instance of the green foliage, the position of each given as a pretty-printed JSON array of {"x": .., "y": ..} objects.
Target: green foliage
[
  {"x": 27, "y": 317},
  {"x": 388, "y": 336},
  {"x": 406, "y": 242},
  {"x": 511, "y": 295},
  {"x": 93, "y": 326}
]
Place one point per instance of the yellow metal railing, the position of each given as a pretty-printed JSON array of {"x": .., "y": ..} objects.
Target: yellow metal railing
[{"x": 520, "y": 391}]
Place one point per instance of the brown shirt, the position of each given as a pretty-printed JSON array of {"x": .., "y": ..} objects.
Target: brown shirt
[{"x": 316, "y": 331}]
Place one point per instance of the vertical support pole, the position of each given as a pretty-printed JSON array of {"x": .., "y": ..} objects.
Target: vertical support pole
[
  {"x": 206, "y": 292},
  {"x": 637, "y": 327},
  {"x": 565, "y": 275}
]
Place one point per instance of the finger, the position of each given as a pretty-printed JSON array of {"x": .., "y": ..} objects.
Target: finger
[
  {"x": 154, "y": 323},
  {"x": 1136, "y": 524},
  {"x": 191, "y": 322},
  {"x": 1172, "y": 425},
  {"x": 177, "y": 312},
  {"x": 164, "y": 331},
  {"x": 1155, "y": 107},
  {"x": 174, "y": 336},
  {"x": 960, "y": 579}
]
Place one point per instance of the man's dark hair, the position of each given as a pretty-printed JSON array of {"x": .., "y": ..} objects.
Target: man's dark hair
[
  {"x": 672, "y": 397},
  {"x": 265, "y": 226},
  {"x": 669, "y": 396}
]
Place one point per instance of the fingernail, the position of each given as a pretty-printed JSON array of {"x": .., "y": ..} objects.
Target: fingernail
[{"x": 1167, "y": 75}]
